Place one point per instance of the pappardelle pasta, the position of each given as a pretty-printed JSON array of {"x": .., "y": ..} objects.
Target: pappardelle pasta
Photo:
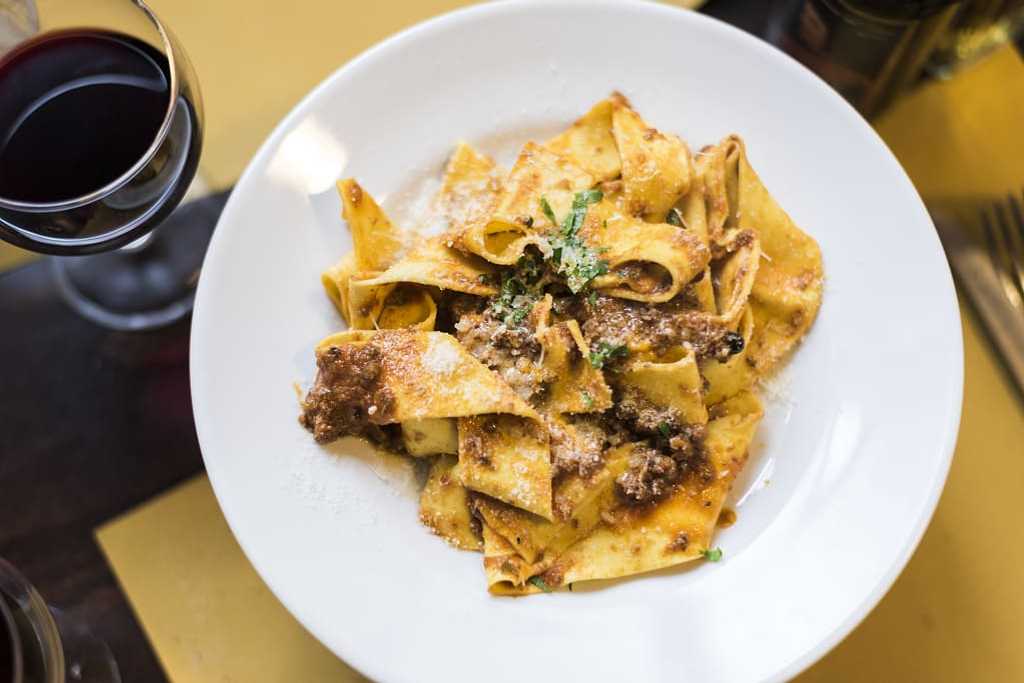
[{"x": 578, "y": 353}]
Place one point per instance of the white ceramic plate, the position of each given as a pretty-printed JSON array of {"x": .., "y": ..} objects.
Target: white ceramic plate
[{"x": 848, "y": 464}]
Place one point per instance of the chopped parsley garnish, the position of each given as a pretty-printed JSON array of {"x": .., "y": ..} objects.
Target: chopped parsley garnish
[
  {"x": 569, "y": 258},
  {"x": 588, "y": 400},
  {"x": 712, "y": 555},
  {"x": 539, "y": 583},
  {"x": 663, "y": 429},
  {"x": 519, "y": 291},
  {"x": 529, "y": 269},
  {"x": 512, "y": 304},
  {"x": 548, "y": 211},
  {"x": 572, "y": 258},
  {"x": 675, "y": 218},
  {"x": 592, "y": 297},
  {"x": 604, "y": 352}
]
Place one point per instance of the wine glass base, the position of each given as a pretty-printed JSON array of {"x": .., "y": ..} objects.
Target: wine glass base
[
  {"x": 48, "y": 645},
  {"x": 147, "y": 284},
  {"x": 87, "y": 659},
  {"x": 81, "y": 288}
]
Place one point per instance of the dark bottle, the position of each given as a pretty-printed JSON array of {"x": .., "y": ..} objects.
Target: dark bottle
[{"x": 868, "y": 50}]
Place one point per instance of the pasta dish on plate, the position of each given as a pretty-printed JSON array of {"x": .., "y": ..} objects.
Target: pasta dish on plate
[{"x": 577, "y": 354}]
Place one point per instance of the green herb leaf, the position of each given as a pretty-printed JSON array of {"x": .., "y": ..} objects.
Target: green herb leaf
[
  {"x": 574, "y": 221},
  {"x": 663, "y": 429},
  {"x": 529, "y": 268},
  {"x": 574, "y": 260},
  {"x": 675, "y": 218},
  {"x": 588, "y": 400},
  {"x": 712, "y": 555},
  {"x": 520, "y": 290},
  {"x": 548, "y": 211},
  {"x": 592, "y": 297},
  {"x": 604, "y": 352},
  {"x": 539, "y": 583}
]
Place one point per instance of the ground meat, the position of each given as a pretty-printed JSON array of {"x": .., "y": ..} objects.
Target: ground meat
[
  {"x": 472, "y": 443},
  {"x": 347, "y": 397},
  {"x": 632, "y": 407},
  {"x": 569, "y": 308},
  {"x": 688, "y": 442},
  {"x": 655, "y": 471},
  {"x": 650, "y": 476},
  {"x": 577, "y": 451},
  {"x": 455, "y": 305},
  {"x": 644, "y": 277},
  {"x": 662, "y": 326},
  {"x": 605, "y": 426},
  {"x": 512, "y": 352}
]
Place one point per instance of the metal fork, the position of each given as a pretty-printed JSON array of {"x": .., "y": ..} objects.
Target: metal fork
[
  {"x": 1003, "y": 225},
  {"x": 990, "y": 271}
]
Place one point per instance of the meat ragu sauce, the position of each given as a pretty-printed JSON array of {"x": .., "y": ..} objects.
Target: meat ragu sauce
[{"x": 346, "y": 400}]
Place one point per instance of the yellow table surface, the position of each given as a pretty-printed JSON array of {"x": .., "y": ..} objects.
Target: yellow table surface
[{"x": 955, "y": 614}]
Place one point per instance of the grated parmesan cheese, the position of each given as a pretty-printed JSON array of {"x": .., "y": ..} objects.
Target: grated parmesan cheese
[{"x": 440, "y": 358}]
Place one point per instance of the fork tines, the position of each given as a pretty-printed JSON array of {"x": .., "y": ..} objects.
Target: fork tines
[{"x": 1003, "y": 227}]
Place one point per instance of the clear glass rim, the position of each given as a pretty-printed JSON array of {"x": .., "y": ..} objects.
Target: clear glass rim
[
  {"x": 40, "y": 619},
  {"x": 11, "y": 646},
  {"x": 117, "y": 183}
]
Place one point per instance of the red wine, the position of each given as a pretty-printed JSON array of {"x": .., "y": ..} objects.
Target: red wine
[
  {"x": 68, "y": 129},
  {"x": 79, "y": 108}
]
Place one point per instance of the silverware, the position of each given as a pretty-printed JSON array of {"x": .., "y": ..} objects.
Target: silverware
[{"x": 988, "y": 262}]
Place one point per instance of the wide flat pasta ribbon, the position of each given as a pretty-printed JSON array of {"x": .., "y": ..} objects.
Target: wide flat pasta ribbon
[
  {"x": 678, "y": 529},
  {"x": 736, "y": 272},
  {"x": 656, "y": 167},
  {"x": 518, "y": 220},
  {"x": 727, "y": 378},
  {"x": 444, "y": 505},
  {"x": 376, "y": 244},
  {"x": 502, "y": 443},
  {"x": 692, "y": 210},
  {"x": 335, "y": 283},
  {"x": 590, "y": 144},
  {"x": 365, "y": 285},
  {"x": 646, "y": 261},
  {"x": 471, "y": 184},
  {"x": 786, "y": 293},
  {"x": 434, "y": 265},
  {"x": 529, "y": 545},
  {"x": 507, "y": 457},
  {"x": 671, "y": 382}
]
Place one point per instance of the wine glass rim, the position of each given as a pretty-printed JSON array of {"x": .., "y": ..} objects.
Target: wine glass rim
[
  {"x": 158, "y": 139},
  {"x": 24, "y": 597}
]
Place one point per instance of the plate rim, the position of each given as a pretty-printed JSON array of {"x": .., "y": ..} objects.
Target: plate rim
[{"x": 950, "y": 419}]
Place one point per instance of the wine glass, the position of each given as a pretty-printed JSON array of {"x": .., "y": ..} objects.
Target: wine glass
[
  {"x": 40, "y": 644},
  {"x": 100, "y": 134}
]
